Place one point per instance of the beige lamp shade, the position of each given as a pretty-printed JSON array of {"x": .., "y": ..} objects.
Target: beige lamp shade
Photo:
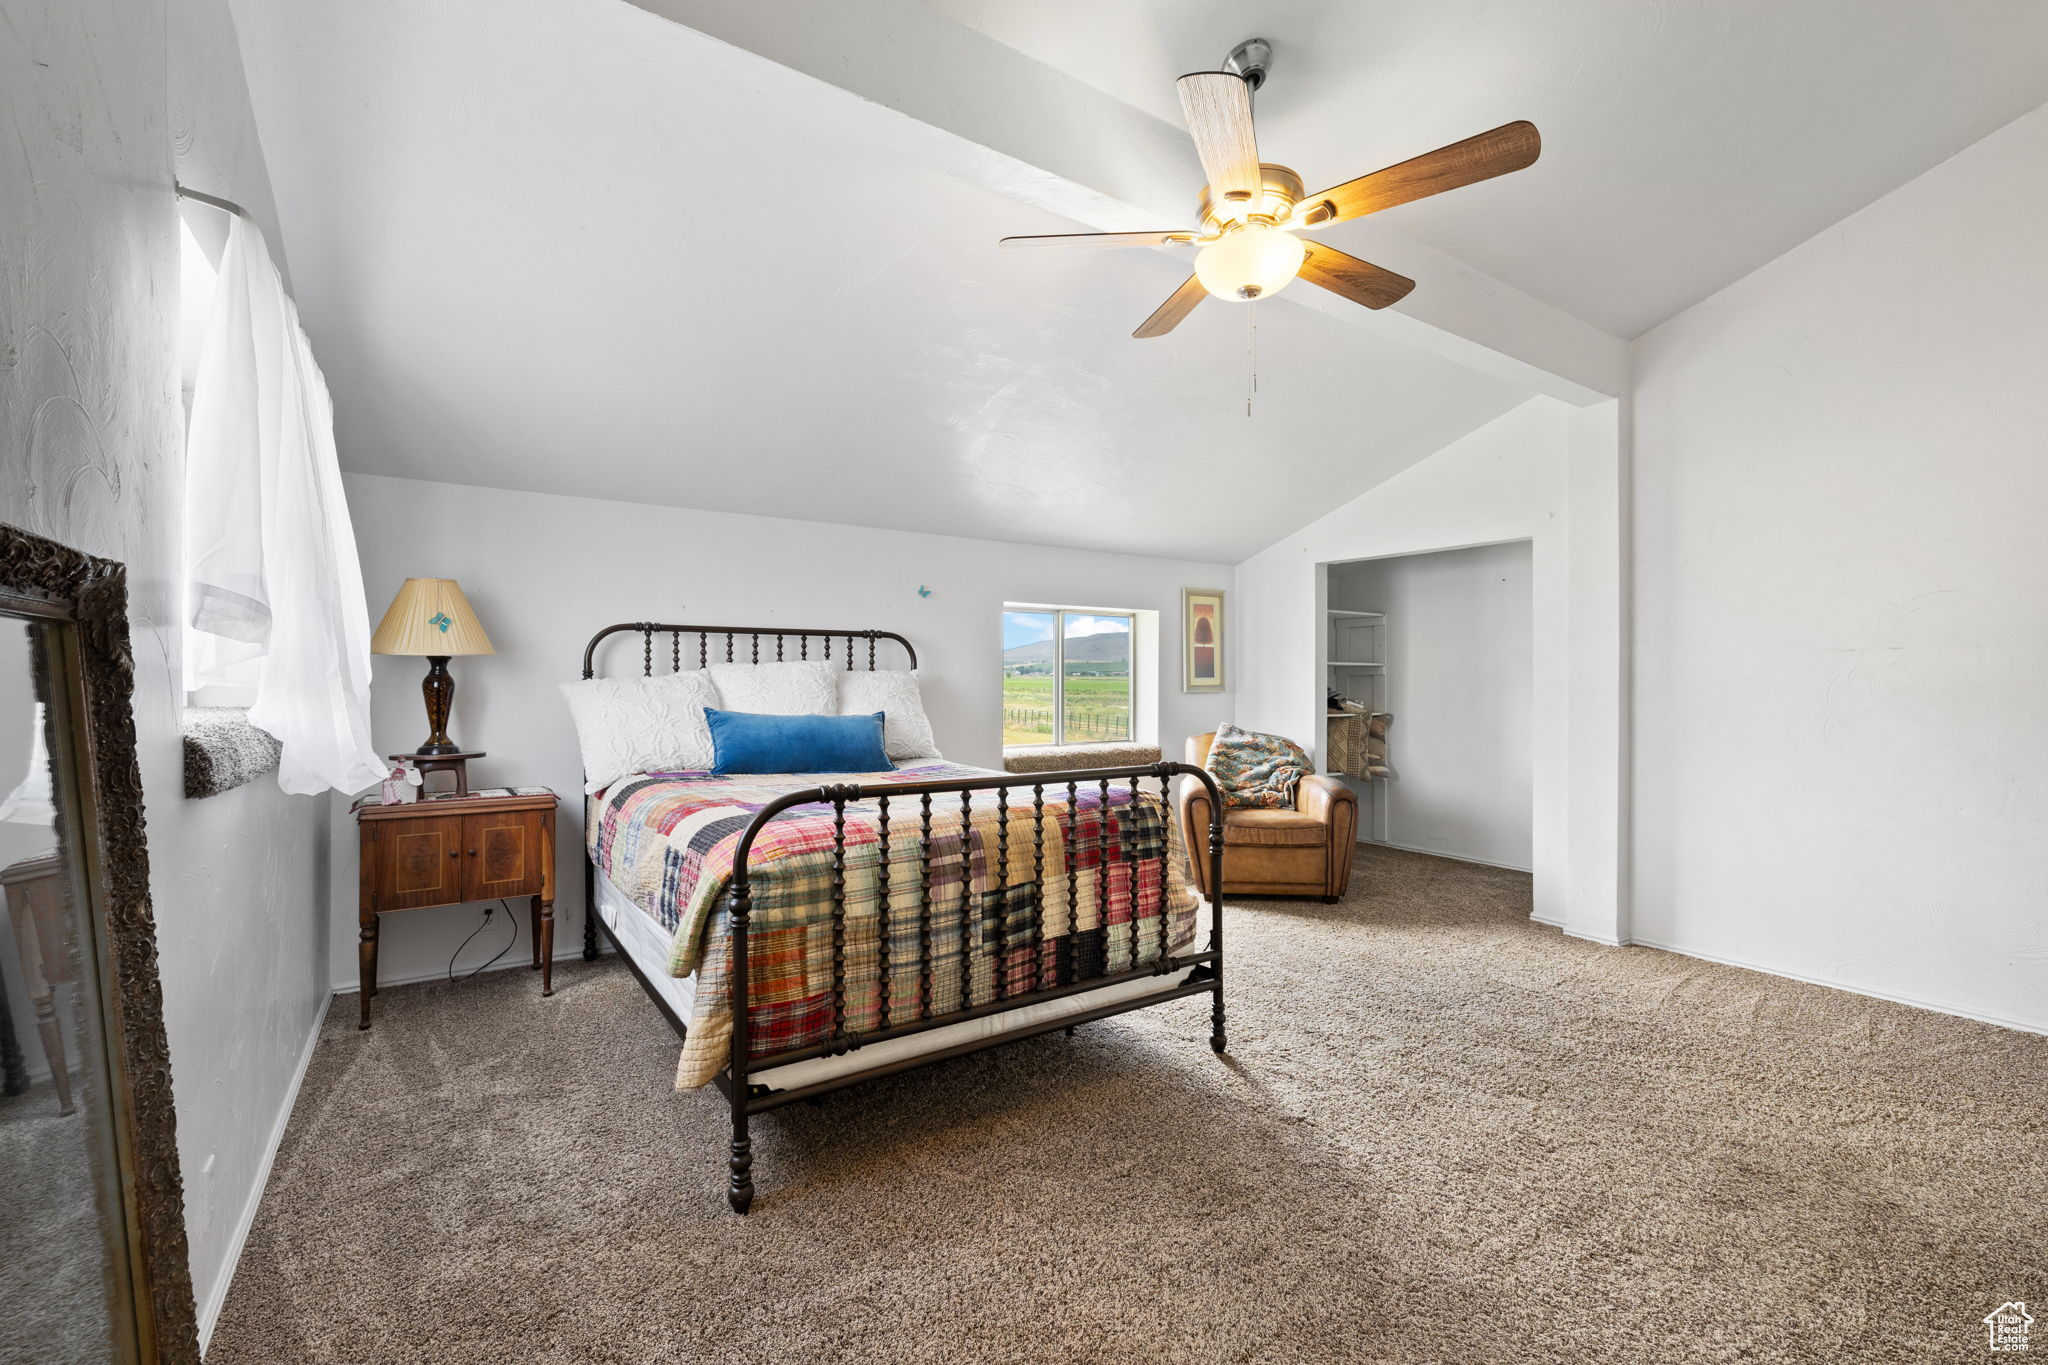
[{"x": 430, "y": 616}]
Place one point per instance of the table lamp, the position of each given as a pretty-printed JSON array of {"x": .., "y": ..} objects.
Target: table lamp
[{"x": 431, "y": 617}]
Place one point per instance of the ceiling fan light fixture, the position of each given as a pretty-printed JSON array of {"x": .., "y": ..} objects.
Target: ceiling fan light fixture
[
  {"x": 1250, "y": 209},
  {"x": 1251, "y": 262}
]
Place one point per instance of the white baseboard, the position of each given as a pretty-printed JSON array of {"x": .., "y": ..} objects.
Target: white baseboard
[
  {"x": 209, "y": 1312},
  {"x": 1454, "y": 857},
  {"x": 1837, "y": 983},
  {"x": 1810, "y": 978}
]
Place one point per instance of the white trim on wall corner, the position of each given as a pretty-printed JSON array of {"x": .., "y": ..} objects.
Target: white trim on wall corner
[
  {"x": 1837, "y": 983},
  {"x": 209, "y": 1312}
]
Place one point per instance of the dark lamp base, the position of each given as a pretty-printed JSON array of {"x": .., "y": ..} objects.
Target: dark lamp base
[{"x": 439, "y": 690}]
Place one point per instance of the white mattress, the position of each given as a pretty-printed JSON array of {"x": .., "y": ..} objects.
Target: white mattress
[{"x": 648, "y": 944}]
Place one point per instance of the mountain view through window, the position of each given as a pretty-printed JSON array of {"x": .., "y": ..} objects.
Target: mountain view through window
[{"x": 1066, "y": 677}]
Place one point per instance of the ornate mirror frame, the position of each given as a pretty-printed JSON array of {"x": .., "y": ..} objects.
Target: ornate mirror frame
[{"x": 91, "y": 673}]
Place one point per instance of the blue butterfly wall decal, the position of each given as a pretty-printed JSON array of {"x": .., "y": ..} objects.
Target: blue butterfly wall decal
[{"x": 923, "y": 591}]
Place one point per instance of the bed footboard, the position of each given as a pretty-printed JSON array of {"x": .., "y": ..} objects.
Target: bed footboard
[{"x": 1027, "y": 966}]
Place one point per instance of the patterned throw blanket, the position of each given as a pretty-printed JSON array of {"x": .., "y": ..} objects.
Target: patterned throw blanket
[
  {"x": 667, "y": 841},
  {"x": 1256, "y": 770}
]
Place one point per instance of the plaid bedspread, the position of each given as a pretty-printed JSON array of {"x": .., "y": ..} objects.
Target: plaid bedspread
[{"x": 1107, "y": 897}]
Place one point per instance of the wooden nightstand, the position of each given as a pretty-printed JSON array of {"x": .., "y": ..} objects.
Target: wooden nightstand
[{"x": 452, "y": 850}]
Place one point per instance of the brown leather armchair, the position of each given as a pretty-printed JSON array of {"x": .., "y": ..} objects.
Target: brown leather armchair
[{"x": 1305, "y": 851}]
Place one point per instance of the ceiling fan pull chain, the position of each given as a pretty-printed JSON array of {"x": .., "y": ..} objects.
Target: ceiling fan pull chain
[{"x": 1251, "y": 316}]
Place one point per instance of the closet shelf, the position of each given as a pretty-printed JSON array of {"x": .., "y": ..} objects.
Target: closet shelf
[{"x": 1370, "y": 615}]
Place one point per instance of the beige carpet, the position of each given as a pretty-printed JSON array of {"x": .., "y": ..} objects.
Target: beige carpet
[
  {"x": 1443, "y": 1134},
  {"x": 53, "y": 1276}
]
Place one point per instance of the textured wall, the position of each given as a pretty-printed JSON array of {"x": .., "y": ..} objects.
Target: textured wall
[
  {"x": 90, "y": 439},
  {"x": 1841, "y": 473},
  {"x": 544, "y": 573}
]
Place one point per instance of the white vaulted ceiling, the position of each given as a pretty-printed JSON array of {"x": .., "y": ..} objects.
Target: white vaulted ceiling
[
  {"x": 742, "y": 257},
  {"x": 1685, "y": 142},
  {"x": 568, "y": 246}
]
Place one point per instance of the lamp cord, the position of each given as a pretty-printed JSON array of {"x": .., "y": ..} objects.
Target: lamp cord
[{"x": 510, "y": 919}]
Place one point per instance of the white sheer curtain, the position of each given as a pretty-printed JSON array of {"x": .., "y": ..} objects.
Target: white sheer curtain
[{"x": 270, "y": 556}]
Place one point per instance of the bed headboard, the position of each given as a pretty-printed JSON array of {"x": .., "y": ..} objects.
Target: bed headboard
[{"x": 743, "y": 644}]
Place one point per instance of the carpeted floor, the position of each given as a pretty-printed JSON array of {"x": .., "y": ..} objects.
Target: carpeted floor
[
  {"x": 53, "y": 1278},
  {"x": 1443, "y": 1134}
]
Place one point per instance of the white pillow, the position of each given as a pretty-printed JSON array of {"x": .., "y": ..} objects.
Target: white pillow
[
  {"x": 785, "y": 689},
  {"x": 906, "y": 732},
  {"x": 641, "y": 725}
]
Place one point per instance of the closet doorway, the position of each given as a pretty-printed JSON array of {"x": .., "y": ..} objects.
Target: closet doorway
[{"x": 1430, "y": 660}]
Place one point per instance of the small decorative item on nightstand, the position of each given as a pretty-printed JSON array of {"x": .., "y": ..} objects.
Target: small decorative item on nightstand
[
  {"x": 402, "y": 785},
  {"x": 428, "y": 767},
  {"x": 450, "y": 850}
]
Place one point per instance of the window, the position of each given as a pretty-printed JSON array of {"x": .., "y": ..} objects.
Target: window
[{"x": 1066, "y": 676}]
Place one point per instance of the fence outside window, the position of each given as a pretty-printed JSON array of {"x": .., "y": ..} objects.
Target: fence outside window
[{"x": 1068, "y": 676}]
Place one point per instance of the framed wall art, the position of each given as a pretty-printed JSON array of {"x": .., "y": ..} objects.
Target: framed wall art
[{"x": 1201, "y": 633}]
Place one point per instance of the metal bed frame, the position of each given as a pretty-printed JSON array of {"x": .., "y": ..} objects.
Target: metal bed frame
[{"x": 1071, "y": 969}]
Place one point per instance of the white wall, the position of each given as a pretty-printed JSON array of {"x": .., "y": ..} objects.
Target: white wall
[
  {"x": 1460, "y": 679},
  {"x": 1508, "y": 481},
  {"x": 1842, "y": 587},
  {"x": 546, "y": 572},
  {"x": 90, "y": 430}
]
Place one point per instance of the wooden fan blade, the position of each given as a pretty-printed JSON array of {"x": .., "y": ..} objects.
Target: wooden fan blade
[
  {"x": 1178, "y": 305},
  {"x": 1218, "y": 106},
  {"x": 1360, "y": 281},
  {"x": 1102, "y": 239},
  {"x": 1509, "y": 147}
]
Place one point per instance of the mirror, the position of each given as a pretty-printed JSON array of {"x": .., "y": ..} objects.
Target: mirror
[
  {"x": 62, "y": 1276},
  {"x": 92, "y": 1243}
]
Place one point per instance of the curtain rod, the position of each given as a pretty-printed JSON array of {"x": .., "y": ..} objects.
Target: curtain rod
[{"x": 225, "y": 205}]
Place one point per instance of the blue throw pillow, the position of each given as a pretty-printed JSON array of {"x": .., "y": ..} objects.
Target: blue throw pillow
[{"x": 742, "y": 742}]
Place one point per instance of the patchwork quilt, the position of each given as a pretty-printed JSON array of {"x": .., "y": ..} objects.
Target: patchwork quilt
[{"x": 1086, "y": 893}]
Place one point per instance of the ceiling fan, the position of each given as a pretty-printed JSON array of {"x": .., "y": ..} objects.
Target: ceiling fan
[{"x": 1251, "y": 210}]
